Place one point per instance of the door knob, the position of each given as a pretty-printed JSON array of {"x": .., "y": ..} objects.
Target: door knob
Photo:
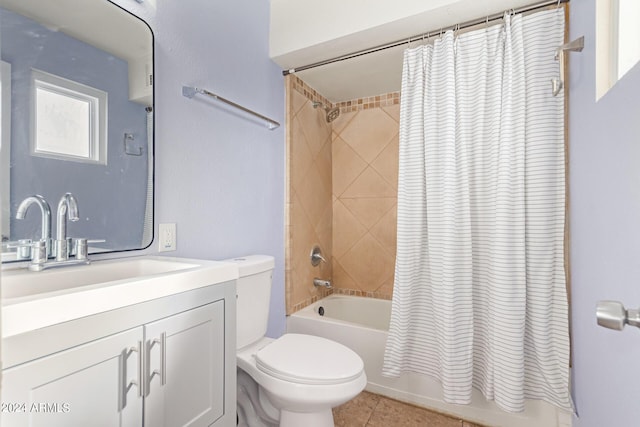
[{"x": 613, "y": 315}]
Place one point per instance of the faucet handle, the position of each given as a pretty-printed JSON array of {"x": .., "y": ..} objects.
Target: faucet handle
[
  {"x": 22, "y": 248},
  {"x": 81, "y": 247},
  {"x": 14, "y": 244},
  {"x": 39, "y": 252}
]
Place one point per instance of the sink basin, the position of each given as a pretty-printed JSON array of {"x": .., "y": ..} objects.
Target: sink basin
[
  {"x": 32, "y": 300},
  {"x": 24, "y": 283}
]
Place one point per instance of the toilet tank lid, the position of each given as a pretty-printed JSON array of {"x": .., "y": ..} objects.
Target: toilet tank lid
[{"x": 253, "y": 264}]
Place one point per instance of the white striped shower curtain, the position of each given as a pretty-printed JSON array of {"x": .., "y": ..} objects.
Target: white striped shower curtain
[{"x": 479, "y": 297}]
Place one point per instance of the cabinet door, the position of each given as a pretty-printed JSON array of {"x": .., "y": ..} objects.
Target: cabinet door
[
  {"x": 88, "y": 385},
  {"x": 185, "y": 368}
]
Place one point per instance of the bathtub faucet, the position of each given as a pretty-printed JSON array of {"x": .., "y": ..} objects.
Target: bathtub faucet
[{"x": 319, "y": 282}]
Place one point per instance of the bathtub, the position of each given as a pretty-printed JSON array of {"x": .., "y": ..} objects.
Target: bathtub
[{"x": 363, "y": 323}]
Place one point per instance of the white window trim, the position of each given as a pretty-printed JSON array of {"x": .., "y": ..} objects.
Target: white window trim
[
  {"x": 605, "y": 78},
  {"x": 614, "y": 35},
  {"x": 98, "y": 101},
  {"x": 607, "y": 45}
]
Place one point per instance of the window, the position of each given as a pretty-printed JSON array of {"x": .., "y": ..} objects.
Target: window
[
  {"x": 68, "y": 120},
  {"x": 617, "y": 41},
  {"x": 626, "y": 35}
]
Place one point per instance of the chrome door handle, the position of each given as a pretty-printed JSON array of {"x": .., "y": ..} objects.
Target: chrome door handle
[
  {"x": 613, "y": 315},
  {"x": 163, "y": 358},
  {"x": 126, "y": 384},
  {"x": 162, "y": 372},
  {"x": 139, "y": 381}
]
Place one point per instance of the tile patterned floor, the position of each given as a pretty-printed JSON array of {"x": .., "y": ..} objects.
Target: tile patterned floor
[{"x": 372, "y": 410}]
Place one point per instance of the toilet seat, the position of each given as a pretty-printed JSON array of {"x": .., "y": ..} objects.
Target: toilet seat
[{"x": 310, "y": 360}]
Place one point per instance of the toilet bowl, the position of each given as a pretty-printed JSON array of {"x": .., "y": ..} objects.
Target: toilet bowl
[{"x": 294, "y": 380}]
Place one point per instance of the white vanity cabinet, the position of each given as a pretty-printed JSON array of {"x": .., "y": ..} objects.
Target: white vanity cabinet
[
  {"x": 77, "y": 387},
  {"x": 185, "y": 368},
  {"x": 172, "y": 367}
]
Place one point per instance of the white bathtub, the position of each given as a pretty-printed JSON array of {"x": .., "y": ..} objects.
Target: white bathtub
[{"x": 362, "y": 324}]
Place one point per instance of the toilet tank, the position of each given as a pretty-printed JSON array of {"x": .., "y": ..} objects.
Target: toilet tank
[{"x": 253, "y": 292}]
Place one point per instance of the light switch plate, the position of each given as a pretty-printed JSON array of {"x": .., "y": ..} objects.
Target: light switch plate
[{"x": 167, "y": 240}]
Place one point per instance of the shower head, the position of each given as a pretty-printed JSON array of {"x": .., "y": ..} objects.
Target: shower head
[{"x": 332, "y": 113}]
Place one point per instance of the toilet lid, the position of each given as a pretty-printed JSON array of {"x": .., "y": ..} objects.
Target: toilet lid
[{"x": 307, "y": 359}]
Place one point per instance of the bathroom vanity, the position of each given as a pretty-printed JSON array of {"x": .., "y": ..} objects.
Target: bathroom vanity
[{"x": 150, "y": 341}]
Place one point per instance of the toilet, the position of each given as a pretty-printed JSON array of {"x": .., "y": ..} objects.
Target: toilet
[{"x": 293, "y": 380}]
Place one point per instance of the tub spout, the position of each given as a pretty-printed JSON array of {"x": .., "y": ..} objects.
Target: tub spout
[{"x": 324, "y": 283}]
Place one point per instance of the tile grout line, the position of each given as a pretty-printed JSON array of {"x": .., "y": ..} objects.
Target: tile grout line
[{"x": 372, "y": 411}]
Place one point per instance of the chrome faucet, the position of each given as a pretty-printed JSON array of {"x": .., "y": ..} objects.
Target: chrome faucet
[
  {"x": 67, "y": 209},
  {"x": 45, "y": 210}
]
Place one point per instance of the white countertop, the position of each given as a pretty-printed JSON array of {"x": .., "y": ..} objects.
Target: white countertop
[{"x": 68, "y": 293}]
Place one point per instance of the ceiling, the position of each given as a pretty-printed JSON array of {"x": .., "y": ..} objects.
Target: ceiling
[
  {"x": 90, "y": 21},
  {"x": 368, "y": 75},
  {"x": 298, "y": 39}
]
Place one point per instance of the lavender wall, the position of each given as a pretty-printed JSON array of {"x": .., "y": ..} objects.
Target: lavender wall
[
  {"x": 605, "y": 233},
  {"x": 219, "y": 176}
]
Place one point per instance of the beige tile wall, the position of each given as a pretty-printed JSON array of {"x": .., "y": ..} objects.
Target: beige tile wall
[
  {"x": 309, "y": 210},
  {"x": 341, "y": 194},
  {"x": 365, "y": 187}
]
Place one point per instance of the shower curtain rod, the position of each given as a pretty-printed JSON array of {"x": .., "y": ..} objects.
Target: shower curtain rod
[{"x": 421, "y": 36}]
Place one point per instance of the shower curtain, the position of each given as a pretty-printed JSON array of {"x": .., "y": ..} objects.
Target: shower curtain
[{"x": 479, "y": 296}]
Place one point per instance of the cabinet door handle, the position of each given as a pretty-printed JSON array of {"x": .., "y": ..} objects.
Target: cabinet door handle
[
  {"x": 139, "y": 381},
  {"x": 163, "y": 358},
  {"x": 125, "y": 383},
  {"x": 162, "y": 372},
  {"x": 147, "y": 362}
]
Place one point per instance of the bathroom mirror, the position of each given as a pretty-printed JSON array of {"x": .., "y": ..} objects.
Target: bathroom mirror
[{"x": 76, "y": 116}]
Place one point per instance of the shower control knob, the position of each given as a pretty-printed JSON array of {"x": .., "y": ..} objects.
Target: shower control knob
[
  {"x": 316, "y": 256},
  {"x": 613, "y": 315}
]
